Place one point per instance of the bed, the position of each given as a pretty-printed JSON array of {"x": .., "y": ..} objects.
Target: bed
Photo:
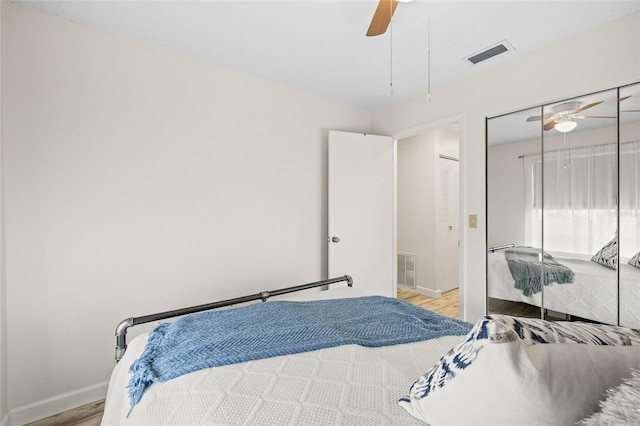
[
  {"x": 592, "y": 294},
  {"x": 354, "y": 384}
]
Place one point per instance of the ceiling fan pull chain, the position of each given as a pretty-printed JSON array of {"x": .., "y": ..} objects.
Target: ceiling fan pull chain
[
  {"x": 428, "y": 56},
  {"x": 390, "y": 56}
]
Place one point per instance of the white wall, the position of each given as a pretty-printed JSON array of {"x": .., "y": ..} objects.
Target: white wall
[
  {"x": 604, "y": 58},
  {"x": 416, "y": 205},
  {"x": 448, "y": 141},
  {"x": 505, "y": 210},
  {"x": 3, "y": 294},
  {"x": 140, "y": 180}
]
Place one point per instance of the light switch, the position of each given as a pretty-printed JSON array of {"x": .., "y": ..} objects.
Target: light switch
[{"x": 473, "y": 221}]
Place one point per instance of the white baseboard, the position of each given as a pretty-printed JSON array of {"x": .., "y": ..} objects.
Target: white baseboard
[
  {"x": 434, "y": 294},
  {"x": 55, "y": 405}
]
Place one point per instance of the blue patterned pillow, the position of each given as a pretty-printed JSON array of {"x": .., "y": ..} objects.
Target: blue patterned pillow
[
  {"x": 608, "y": 255},
  {"x": 508, "y": 369},
  {"x": 635, "y": 260}
]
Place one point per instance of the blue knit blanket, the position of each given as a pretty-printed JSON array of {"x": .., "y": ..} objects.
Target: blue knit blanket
[
  {"x": 277, "y": 328},
  {"x": 526, "y": 269}
]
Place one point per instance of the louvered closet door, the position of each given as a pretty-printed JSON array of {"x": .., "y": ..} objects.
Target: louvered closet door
[{"x": 447, "y": 225}]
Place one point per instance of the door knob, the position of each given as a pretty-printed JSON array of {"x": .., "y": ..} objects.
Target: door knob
[
  {"x": 334, "y": 239},
  {"x": 450, "y": 228}
]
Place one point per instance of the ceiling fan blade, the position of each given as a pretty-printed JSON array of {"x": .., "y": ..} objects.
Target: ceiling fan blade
[
  {"x": 592, "y": 116},
  {"x": 550, "y": 125},
  {"x": 538, "y": 117},
  {"x": 587, "y": 106},
  {"x": 382, "y": 17}
]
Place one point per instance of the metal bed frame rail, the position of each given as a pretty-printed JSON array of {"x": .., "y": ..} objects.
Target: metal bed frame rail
[
  {"x": 494, "y": 249},
  {"x": 121, "y": 329}
]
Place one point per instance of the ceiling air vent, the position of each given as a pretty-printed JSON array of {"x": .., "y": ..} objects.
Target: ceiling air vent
[{"x": 489, "y": 52}]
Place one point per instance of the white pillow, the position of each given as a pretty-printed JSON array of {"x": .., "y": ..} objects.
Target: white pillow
[
  {"x": 514, "y": 371},
  {"x": 608, "y": 254},
  {"x": 635, "y": 260}
]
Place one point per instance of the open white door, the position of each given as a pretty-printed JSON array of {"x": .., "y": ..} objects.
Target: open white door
[{"x": 361, "y": 210}]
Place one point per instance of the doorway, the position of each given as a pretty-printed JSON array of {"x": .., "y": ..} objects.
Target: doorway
[{"x": 428, "y": 209}]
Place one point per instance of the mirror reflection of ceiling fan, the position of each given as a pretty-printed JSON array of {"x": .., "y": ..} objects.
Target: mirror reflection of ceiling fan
[
  {"x": 382, "y": 16},
  {"x": 562, "y": 116}
]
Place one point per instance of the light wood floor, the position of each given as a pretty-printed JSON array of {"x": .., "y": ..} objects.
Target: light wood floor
[
  {"x": 447, "y": 304},
  {"x": 87, "y": 415},
  {"x": 91, "y": 414}
]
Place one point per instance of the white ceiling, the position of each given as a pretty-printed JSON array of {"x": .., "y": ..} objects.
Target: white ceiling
[{"x": 320, "y": 46}]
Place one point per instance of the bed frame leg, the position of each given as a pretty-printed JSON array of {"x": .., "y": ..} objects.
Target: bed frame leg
[{"x": 121, "y": 337}]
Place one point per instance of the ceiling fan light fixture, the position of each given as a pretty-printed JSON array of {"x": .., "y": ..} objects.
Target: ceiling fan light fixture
[{"x": 565, "y": 125}]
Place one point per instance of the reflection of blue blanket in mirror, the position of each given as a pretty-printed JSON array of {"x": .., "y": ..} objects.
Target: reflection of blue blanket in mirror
[
  {"x": 525, "y": 266},
  {"x": 277, "y": 328}
]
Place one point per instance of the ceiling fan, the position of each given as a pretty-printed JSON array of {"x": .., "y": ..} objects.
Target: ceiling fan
[
  {"x": 562, "y": 116},
  {"x": 382, "y": 17}
]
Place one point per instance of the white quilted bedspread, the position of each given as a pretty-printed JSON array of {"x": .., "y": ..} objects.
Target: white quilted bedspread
[
  {"x": 348, "y": 385},
  {"x": 592, "y": 295}
]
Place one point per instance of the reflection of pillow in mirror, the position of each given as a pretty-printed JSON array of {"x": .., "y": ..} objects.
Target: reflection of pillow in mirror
[
  {"x": 608, "y": 255},
  {"x": 635, "y": 260}
]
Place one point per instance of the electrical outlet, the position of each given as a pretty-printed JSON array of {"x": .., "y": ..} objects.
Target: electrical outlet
[{"x": 473, "y": 221}]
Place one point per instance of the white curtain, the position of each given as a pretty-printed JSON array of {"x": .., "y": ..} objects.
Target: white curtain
[
  {"x": 533, "y": 200},
  {"x": 629, "y": 199},
  {"x": 580, "y": 198}
]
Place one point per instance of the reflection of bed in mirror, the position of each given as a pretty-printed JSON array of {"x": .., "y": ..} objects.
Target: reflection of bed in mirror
[
  {"x": 592, "y": 294},
  {"x": 567, "y": 190}
]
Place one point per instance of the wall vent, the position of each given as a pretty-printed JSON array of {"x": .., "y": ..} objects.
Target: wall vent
[
  {"x": 407, "y": 269},
  {"x": 489, "y": 52}
]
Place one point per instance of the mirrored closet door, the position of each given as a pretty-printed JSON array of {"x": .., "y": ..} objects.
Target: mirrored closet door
[
  {"x": 514, "y": 181},
  {"x": 629, "y": 235},
  {"x": 563, "y": 225}
]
